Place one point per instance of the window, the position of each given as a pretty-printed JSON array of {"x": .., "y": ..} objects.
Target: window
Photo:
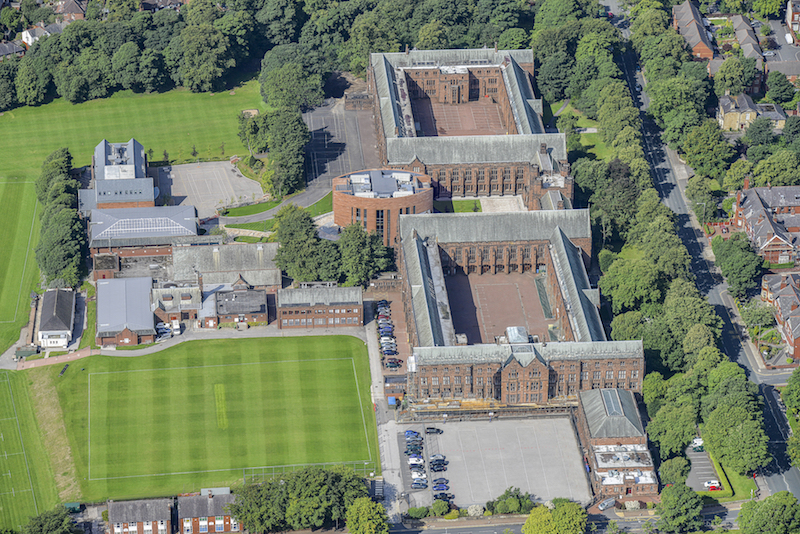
[
  {"x": 506, "y": 174},
  {"x": 492, "y": 174},
  {"x": 379, "y": 222},
  {"x": 148, "y": 526},
  {"x": 572, "y": 377},
  {"x": 480, "y": 175},
  {"x": 457, "y": 380},
  {"x": 519, "y": 174},
  {"x": 203, "y": 524},
  {"x": 118, "y": 527},
  {"x": 423, "y": 381},
  {"x": 468, "y": 380},
  {"x": 219, "y": 523},
  {"x": 635, "y": 373},
  {"x": 132, "y": 527},
  {"x": 585, "y": 375},
  {"x": 434, "y": 380},
  {"x": 471, "y": 255},
  {"x": 454, "y": 175},
  {"x": 162, "y": 527},
  {"x": 621, "y": 375},
  {"x": 445, "y": 380},
  {"x": 234, "y": 525},
  {"x": 467, "y": 176},
  {"x": 609, "y": 375}
]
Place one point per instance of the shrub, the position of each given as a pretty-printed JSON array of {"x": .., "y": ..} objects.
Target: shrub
[
  {"x": 104, "y": 515},
  {"x": 476, "y": 510},
  {"x": 440, "y": 507},
  {"x": 651, "y": 505},
  {"x": 487, "y": 513},
  {"x": 463, "y": 512},
  {"x": 418, "y": 513},
  {"x": 452, "y": 514}
]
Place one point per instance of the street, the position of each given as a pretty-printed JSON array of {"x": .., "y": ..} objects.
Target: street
[{"x": 779, "y": 474}]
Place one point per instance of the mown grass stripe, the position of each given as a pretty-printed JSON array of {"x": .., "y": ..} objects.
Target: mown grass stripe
[{"x": 222, "y": 408}]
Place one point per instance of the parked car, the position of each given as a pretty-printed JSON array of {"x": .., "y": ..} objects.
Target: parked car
[
  {"x": 419, "y": 485},
  {"x": 700, "y": 448},
  {"x": 411, "y": 432},
  {"x": 437, "y": 457},
  {"x": 382, "y": 302},
  {"x": 441, "y": 481},
  {"x": 443, "y": 496},
  {"x": 440, "y": 487},
  {"x": 709, "y": 483},
  {"x": 413, "y": 453},
  {"x": 438, "y": 468},
  {"x": 393, "y": 366},
  {"x": 439, "y": 462},
  {"x": 418, "y": 475},
  {"x": 606, "y": 504},
  {"x": 390, "y": 353},
  {"x": 396, "y": 360},
  {"x": 769, "y": 53},
  {"x": 415, "y": 461},
  {"x": 432, "y": 430},
  {"x": 415, "y": 439}
]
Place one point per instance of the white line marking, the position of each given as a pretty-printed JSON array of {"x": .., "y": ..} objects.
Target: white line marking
[
  {"x": 30, "y": 481},
  {"x": 25, "y": 267},
  {"x": 522, "y": 455}
]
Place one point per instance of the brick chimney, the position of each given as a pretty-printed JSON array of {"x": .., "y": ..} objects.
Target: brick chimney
[
  {"x": 563, "y": 165},
  {"x": 746, "y": 183}
]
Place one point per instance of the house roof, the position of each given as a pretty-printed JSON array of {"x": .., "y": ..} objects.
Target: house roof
[
  {"x": 58, "y": 310},
  {"x": 316, "y": 296},
  {"x": 56, "y": 27},
  {"x": 70, "y": 7},
  {"x": 788, "y": 68},
  {"x": 204, "y": 506},
  {"x": 771, "y": 111},
  {"x": 139, "y": 511},
  {"x": 223, "y": 264},
  {"x": 491, "y": 227},
  {"x": 177, "y": 298},
  {"x": 7, "y": 49},
  {"x": 241, "y": 301},
  {"x": 611, "y": 413},
  {"x": 124, "y": 303},
  {"x": 690, "y": 24},
  {"x": 146, "y": 223},
  {"x": 739, "y": 103}
]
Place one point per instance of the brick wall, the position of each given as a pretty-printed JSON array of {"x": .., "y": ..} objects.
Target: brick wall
[
  {"x": 126, "y": 337},
  {"x": 229, "y": 525},
  {"x": 248, "y": 318},
  {"x": 332, "y": 316},
  {"x": 135, "y": 204}
]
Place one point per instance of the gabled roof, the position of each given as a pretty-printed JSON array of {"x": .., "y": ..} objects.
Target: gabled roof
[
  {"x": 58, "y": 310},
  {"x": 223, "y": 264},
  {"x": 475, "y": 149},
  {"x": 788, "y": 68},
  {"x": 316, "y": 296},
  {"x": 124, "y": 303},
  {"x": 611, "y": 413},
  {"x": 70, "y": 7},
  {"x": 156, "y": 222},
  {"x": 740, "y": 103},
  {"x": 6, "y": 49},
  {"x": 139, "y": 511},
  {"x": 204, "y": 506}
]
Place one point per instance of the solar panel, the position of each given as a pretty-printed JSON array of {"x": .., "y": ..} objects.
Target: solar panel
[{"x": 612, "y": 403}]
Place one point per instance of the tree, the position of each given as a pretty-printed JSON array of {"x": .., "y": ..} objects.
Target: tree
[
  {"x": 539, "y": 521},
  {"x": 365, "y": 516},
  {"x": 260, "y": 507},
  {"x": 740, "y": 265},
  {"x": 757, "y": 313},
  {"x": 680, "y": 93},
  {"x": 735, "y": 436},
  {"x": 8, "y": 87},
  {"x": 780, "y": 89},
  {"x": 791, "y": 130},
  {"x": 760, "y": 131},
  {"x": 292, "y": 87},
  {"x": 298, "y": 254},
  {"x": 778, "y": 169},
  {"x": 767, "y": 7},
  {"x": 363, "y": 255},
  {"x": 677, "y": 124},
  {"x": 281, "y": 20},
  {"x": 554, "y": 13},
  {"x": 684, "y": 307},
  {"x": 673, "y": 428},
  {"x": 698, "y": 191},
  {"x": 55, "y": 521},
  {"x": 125, "y": 65},
  {"x": 777, "y": 514},
  {"x": 432, "y": 36},
  {"x": 60, "y": 248},
  {"x": 513, "y": 39},
  {"x": 707, "y": 151},
  {"x": 630, "y": 284},
  {"x": 735, "y": 175},
  {"x": 793, "y": 450},
  {"x": 697, "y": 338},
  {"x": 287, "y": 138},
  {"x": 121, "y": 10},
  {"x": 680, "y": 509},
  {"x": 554, "y": 75},
  {"x": 440, "y": 507},
  {"x": 730, "y": 78},
  {"x": 10, "y": 19},
  {"x": 569, "y": 518},
  {"x": 206, "y": 57},
  {"x": 675, "y": 470},
  {"x": 791, "y": 393}
]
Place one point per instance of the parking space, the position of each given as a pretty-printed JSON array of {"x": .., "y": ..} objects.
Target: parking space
[
  {"x": 399, "y": 331},
  {"x": 540, "y": 456},
  {"x": 206, "y": 186},
  {"x": 702, "y": 469}
]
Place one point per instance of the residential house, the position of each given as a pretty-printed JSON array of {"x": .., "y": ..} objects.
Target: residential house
[
  {"x": 241, "y": 304},
  {"x": 782, "y": 291},
  {"x": 315, "y": 306},
  {"x": 207, "y": 512},
  {"x": 619, "y": 462},
  {"x": 10, "y": 51},
  {"x": 57, "y": 318},
  {"x": 124, "y": 314},
  {"x": 31, "y": 35},
  {"x": 790, "y": 69},
  {"x": 158, "y": 5},
  {"x": 770, "y": 216},
  {"x": 793, "y": 17},
  {"x": 70, "y": 10},
  {"x": 738, "y": 112},
  {"x": 688, "y": 21},
  {"x": 152, "y": 516}
]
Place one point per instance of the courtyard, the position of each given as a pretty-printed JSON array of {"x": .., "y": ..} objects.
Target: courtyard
[{"x": 468, "y": 118}]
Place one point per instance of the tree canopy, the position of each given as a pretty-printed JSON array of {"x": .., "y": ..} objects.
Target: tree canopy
[{"x": 679, "y": 510}]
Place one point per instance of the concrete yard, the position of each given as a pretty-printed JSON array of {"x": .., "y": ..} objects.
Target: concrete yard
[
  {"x": 469, "y": 118},
  {"x": 206, "y": 186},
  {"x": 540, "y": 456}
]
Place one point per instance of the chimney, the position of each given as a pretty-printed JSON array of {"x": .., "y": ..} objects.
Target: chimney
[
  {"x": 563, "y": 166},
  {"x": 746, "y": 183},
  {"x": 495, "y": 47},
  {"x": 543, "y": 148},
  {"x": 406, "y": 49}
]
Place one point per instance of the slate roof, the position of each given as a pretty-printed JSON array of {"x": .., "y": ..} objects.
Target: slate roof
[
  {"x": 7, "y": 49},
  {"x": 223, "y": 264},
  {"x": 319, "y": 296},
  {"x": 771, "y": 111},
  {"x": 788, "y": 68},
  {"x": 173, "y": 299},
  {"x": 611, "y": 413},
  {"x": 763, "y": 226},
  {"x": 124, "y": 303},
  {"x": 204, "y": 506},
  {"x": 489, "y": 227},
  {"x": 690, "y": 24},
  {"x": 58, "y": 310},
  {"x": 139, "y": 511},
  {"x": 111, "y": 225},
  {"x": 475, "y": 149},
  {"x": 241, "y": 301},
  {"x": 739, "y": 103},
  {"x": 70, "y": 7}
]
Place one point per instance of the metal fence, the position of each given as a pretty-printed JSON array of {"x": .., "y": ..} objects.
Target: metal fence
[{"x": 254, "y": 475}]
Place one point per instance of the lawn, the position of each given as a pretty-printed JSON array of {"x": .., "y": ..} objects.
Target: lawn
[
  {"x": 322, "y": 206},
  {"x": 456, "y": 206},
  {"x": 252, "y": 209},
  {"x": 26, "y": 487},
  {"x": 174, "y": 121},
  {"x": 592, "y": 144},
  {"x": 197, "y": 414},
  {"x": 18, "y": 270},
  {"x": 736, "y": 487}
]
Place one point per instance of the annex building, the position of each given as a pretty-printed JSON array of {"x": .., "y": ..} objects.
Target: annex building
[{"x": 470, "y": 120}]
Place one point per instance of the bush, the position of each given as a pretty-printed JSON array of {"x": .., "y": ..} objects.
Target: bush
[
  {"x": 476, "y": 510},
  {"x": 605, "y": 258},
  {"x": 452, "y": 514},
  {"x": 440, "y": 507},
  {"x": 463, "y": 512},
  {"x": 104, "y": 515},
  {"x": 651, "y": 505},
  {"x": 418, "y": 513},
  {"x": 487, "y": 513}
]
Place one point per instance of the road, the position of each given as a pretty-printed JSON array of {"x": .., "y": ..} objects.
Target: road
[{"x": 779, "y": 475}]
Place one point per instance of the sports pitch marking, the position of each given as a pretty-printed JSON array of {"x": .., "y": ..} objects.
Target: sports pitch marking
[
  {"x": 27, "y": 255},
  {"x": 89, "y": 424},
  {"x": 13, "y": 492}
]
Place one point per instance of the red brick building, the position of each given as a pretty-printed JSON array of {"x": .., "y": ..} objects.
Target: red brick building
[
  {"x": 206, "y": 513},
  {"x": 688, "y": 21},
  {"x": 172, "y": 304},
  {"x": 782, "y": 292},
  {"x": 241, "y": 304},
  {"x": 319, "y": 307},
  {"x": 124, "y": 314},
  {"x": 152, "y": 516},
  {"x": 375, "y": 199},
  {"x": 770, "y": 216},
  {"x": 613, "y": 436},
  {"x": 470, "y": 120}
]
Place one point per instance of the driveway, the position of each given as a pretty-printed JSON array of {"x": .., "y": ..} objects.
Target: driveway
[{"x": 785, "y": 52}]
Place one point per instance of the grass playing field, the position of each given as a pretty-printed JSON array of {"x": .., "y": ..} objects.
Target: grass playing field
[
  {"x": 18, "y": 269},
  {"x": 26, "y": 486},
  {"x": 173, "y": 121},
  {"x": 196, "y": 414}
]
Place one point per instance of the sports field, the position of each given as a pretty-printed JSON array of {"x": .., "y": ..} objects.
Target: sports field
[
  {"x": 26, "y": 486},
  {"x": 173, "y": 121},
  {"x": 18, "y": 269},
  {"x": 198, "y": 414}
]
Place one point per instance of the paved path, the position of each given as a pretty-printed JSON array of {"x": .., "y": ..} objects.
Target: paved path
[{"x": 557, "y": 113}]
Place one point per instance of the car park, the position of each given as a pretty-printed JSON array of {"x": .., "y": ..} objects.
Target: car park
[
  {"x": 606, "y": 504},
  {"x": 437, "y": 457},
  {"x": 432, "y": 430},
  {"x": 710, "y": 483}
]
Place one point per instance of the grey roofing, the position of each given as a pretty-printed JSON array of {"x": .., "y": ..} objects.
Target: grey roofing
[
  {"x": 490, "y": 227},
  {"x": 739, "y": 103},
  {"x": 58, "y": 310},
  {"x": 518, "y": 87},
  {"x": 475, "y": 149},
  {"x": 695, "y": 33},
  {"x": 124, "y": 303},
  {"x": 431, "y": 308},
  {"x": 7, "y": 49},
  {"x": 125, "y": 190},
  {"x": 204, "y": 506},
  {"x": 714, "y": 65},
  {"x": 611, "y": 413},
  {"x": 56, "y": 27},
  {"x": 240, "y": 301},
  {"x": 146, "y": 223},
  {"x": 470, "y": 57},
  {"x": 788, "y": 68},
  {"x": 37, "y": 32},
  {"x": 319, "y": 296},
  {"x": 751, "y": 50},
  {"x": 580, "y": 300},
  {"x": 551, "y": 199},
  {"x": 771, "y": 111},
  {"x": 525, "y": 354},
  {"x": 70, "y": 7},
  {"x": 757, "y": 209},
  {"x": 174, "y": 299},
  {"x": 690, "y": 24},
  {"x": 140, "y": 511},
  {"x": 119, "y": 160},
  {"x": 223, "y": 264}
]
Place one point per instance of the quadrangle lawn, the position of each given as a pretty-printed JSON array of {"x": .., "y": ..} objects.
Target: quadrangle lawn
[{"x": 197, "y": 414}]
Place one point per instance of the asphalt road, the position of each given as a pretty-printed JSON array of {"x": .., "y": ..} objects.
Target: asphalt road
[{"x": 779, "y": 474}]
